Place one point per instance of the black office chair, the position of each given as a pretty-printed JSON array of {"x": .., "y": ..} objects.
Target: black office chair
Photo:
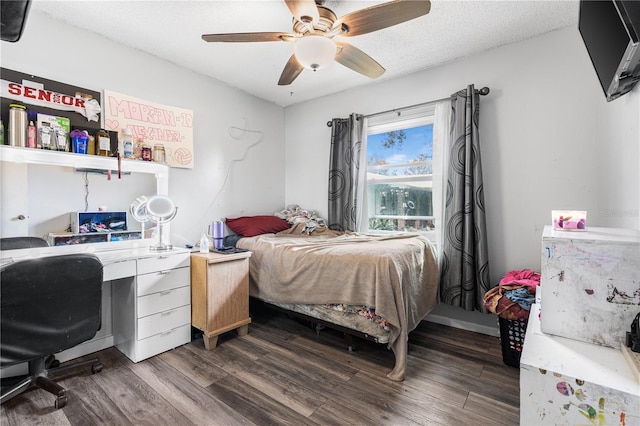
[{"x": 47, "y": 305}]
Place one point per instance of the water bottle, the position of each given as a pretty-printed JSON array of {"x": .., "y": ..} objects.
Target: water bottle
[
  {"x": 218, "y": 234},
  {"x": 17, "y": 125}
]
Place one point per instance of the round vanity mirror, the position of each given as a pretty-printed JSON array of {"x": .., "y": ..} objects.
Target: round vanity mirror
[
  {"x": 158, "y": 209},
  {"x": 161, "y": 209}
]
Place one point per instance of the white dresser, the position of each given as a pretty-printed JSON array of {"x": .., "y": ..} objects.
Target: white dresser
[{"x": 154, "y": 314}]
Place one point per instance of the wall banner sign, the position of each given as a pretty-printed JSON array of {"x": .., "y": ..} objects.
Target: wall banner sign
[
  {"x": 154, "y": 123},
  {"x": 33, "y": 93}
]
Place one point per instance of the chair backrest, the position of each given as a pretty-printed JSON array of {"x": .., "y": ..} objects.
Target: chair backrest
[
  {"x": 12, "y": 243},
  {"x": 47, "y": 305}
]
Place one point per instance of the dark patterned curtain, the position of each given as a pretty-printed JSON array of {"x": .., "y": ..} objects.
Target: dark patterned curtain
[
  {"x": 344, "y": 164},
  {"x": 464, "y": 264}
]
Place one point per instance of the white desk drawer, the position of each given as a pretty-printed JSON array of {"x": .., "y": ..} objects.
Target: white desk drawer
[
  {"x": 116, "y": 270},
  {"x": 163, "y": 301},
  {"x": 163, "y": 280},
  {"x": 163, "y": 321},
  {"x": 162, "y": 342},
  {"x": 163, "y": 262}
]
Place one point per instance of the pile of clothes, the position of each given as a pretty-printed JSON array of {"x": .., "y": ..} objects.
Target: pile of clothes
[
  {"x": 296, "y": 214},
  {"x": 514, "y": 295}
]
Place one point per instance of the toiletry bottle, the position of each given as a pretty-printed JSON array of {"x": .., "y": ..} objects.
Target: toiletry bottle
[
  {"x": 158, "y": 153},
  {"x": 1, "y": 132},
  {"x": 127, "y": 143},
  {"x": 60, "y": 136},
  {"x": 103, "y": 143},
  {"x": 32, "y": 135},
  {"x": 204, "y": 244},
  {"x": 45, "y": 135},
  {"x": 146, "y": 152},
  {"x": 91, "y": 147}
]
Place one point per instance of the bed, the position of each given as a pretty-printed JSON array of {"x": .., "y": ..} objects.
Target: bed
[{"x": 380, "y": 286}]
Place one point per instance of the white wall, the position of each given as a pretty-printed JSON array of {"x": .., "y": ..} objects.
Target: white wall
[
  {"x": 549, "y": 140},
  {"x": 255, "y": 184}
]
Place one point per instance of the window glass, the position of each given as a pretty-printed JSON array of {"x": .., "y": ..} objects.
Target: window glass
[{"x": 399, "y": 176}]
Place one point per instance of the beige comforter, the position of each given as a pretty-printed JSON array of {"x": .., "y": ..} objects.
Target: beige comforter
[{"x": 398, "y": 275}]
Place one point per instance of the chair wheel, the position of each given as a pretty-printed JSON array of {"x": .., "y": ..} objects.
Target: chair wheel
[
  {"x": 96, "y": 368},
  {"x": 51, "y": 362},
  {"x": 61, "y": 401}
]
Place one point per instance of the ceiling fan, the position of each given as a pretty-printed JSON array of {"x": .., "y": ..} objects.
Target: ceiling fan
[{"x": 314, "y": 29}]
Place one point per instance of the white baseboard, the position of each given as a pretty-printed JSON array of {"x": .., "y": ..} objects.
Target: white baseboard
[
  {"x": 464, "y": 325},
  {"x": 86, "y": 348}
]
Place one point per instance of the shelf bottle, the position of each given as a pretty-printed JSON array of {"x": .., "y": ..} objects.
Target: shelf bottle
[
  {"x": 127, "y": 143},
  {"x": 103, "y": 143},
  {"x": 32, "y": 135}
]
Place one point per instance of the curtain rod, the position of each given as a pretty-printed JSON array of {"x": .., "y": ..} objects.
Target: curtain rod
[{"x": 484, "y": 91}]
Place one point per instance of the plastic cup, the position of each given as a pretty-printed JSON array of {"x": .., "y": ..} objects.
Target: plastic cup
[{"x": 80, "y": 145}]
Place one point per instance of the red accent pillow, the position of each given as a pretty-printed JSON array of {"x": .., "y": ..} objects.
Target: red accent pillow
[{"x": 250, "y": 226}]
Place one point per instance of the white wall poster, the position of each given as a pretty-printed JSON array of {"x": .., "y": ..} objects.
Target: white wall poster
[{"x": 154, "y": 123}]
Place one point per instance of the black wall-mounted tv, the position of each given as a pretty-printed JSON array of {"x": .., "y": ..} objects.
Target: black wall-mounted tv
[{"x": 610, "y": 30}]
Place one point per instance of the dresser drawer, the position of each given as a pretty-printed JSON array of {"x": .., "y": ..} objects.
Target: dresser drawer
[
  {"x": 162, "y": 342},
  {"x": 163, "y": 262},
  {"x": 156, "y": 282},
  {"x": 163, "y": 301},
  {"x": 163, "y": 321}
]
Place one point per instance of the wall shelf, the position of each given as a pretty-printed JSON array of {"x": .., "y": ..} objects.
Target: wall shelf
[{"x": 80, "y": 161}]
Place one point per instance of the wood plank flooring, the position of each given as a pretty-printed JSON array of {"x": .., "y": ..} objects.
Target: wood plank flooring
[{"x": 283, "y": 373}]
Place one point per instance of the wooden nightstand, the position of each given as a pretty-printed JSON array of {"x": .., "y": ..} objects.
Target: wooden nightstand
[{"x": 219, "y": 294}]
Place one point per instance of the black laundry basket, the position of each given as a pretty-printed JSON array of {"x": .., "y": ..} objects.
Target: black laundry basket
[{"x": 512, "y": 340}]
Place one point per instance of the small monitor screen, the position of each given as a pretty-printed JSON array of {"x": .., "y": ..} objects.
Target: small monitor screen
[{"x": 605, "y": 37}]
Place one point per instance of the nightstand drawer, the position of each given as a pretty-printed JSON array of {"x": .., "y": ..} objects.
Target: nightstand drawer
[
  {"x": 163, "y": 301},
  {"x": 163, "y": 262},
  {"x": 163, "y": 321},
  {"x": 156, "y": 282}
]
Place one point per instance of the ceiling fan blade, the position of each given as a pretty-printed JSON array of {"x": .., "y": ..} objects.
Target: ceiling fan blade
[
  {"x": 304, "y": 11},
  {"x": 381, "y": 16},
  {"x": 291, "y": 71},
  {"x": 247, "y": 37},
  {"x": 354, "y": 58}
]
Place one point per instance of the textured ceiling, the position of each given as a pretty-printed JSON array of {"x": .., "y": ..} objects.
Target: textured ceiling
[{"x": 172, "y": 30}]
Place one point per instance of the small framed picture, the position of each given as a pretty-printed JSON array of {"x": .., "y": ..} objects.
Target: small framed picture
[{"x": 569, "y": 220}]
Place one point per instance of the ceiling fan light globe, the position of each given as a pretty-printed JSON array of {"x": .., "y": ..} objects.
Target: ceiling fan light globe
[{"x": 314, "y": 51}]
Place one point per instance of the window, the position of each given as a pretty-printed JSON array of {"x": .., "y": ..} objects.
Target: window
[{"x": 400, "y": 174}]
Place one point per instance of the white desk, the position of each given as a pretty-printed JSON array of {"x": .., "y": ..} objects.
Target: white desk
[{"x": 146, "y": 304}]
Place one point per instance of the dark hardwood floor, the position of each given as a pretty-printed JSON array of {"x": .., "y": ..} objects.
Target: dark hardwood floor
[{"x": 283, "y": 373}]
